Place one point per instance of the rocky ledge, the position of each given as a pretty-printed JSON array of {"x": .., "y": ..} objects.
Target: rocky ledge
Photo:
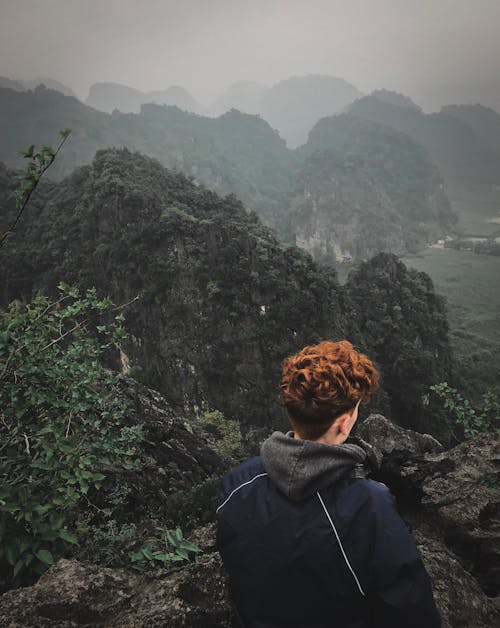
[{"x": 449, "y": 499}]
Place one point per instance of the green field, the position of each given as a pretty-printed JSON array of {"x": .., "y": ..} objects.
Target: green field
[{"x": 470, "y": 284}]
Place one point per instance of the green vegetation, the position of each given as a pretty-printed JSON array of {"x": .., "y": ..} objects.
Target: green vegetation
[
  {"x": 225, "y": 434},
  {"x": 485, "y": 419},
  {"x": 468, "y": 282},
  {"x": 39, "y": 163},
  {"x": 61, "y": 426},
  {"x": 174, "y": 547},
  {"x": 221, "y": 302},
  {"x": 404, "y": 324}
]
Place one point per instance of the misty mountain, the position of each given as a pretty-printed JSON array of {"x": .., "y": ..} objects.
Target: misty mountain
[
  {"x": 26, "y": 85},
  {"x": 356, "y": 188},
  {"x": 244, "y": 96},
  {"x": 110, "y": 96},
  {"x": 295, "y": 105},
  {"x": 484, "y": 121},
  {"x": 220, "y": 301},
  {"x": 395, "y": 98},
  {"x": 235, "y": 153},
  {"x": 50, "y": 84},
  {"x": 365, "y": 188},
  {"x": 11, "y": 84},
  {"x": 460, "y": 154}
]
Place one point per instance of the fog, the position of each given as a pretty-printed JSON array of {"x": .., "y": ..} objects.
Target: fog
[{"x": 436, "y": 51}]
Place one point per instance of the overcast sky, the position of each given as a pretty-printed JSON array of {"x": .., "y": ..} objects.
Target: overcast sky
[{"x": 436, "y": 51}]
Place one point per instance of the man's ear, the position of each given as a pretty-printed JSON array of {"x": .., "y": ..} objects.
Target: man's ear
[{"x": 343, "y": 424}]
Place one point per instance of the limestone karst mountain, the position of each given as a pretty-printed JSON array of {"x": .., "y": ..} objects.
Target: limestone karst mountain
[
  {"x": 293, "y": 106},
  {"x": 219, "y": 302},
  {"x": 461, "y": 155},
  {"x": 365, "y": 188},
  {"x": 235, "y": 153},
  {"x": 110, "y": 96},
  {"x": 484, "y": 121},
  {"x": 244, "y": 96},
  {"x": 241, "y": 154}
]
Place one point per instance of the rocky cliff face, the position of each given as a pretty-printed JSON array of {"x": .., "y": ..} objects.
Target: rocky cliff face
[
  {"x": 215, "y": 302},
  {"x": 449, "y": 499},
  {"x": 365, "y": 188}
]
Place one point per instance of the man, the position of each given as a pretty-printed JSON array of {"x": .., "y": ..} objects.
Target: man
[{"x": 307, "y": 540}]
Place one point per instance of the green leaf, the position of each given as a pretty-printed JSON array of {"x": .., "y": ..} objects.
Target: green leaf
[
  {"x": 41, "y": 509},
  {"x": 45, "y": 556},
  {"x": 18, "y": 566},
  {"x": 147, "y": 553},
  {"x": 29, "y": 153},
  {"x": 11, "y": 554},
  {"x": 190, "y": 547},
  {"x": 65, "y": 535},
  {"x": 170, "y": 538}
]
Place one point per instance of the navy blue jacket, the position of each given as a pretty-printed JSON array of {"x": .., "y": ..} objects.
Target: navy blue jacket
[{"x": 341, "y": 558}]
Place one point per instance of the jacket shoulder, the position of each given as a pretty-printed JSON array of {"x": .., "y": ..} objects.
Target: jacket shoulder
[
  {"x": 358, "y": 493},
  {"x": 240, "y": 476}
]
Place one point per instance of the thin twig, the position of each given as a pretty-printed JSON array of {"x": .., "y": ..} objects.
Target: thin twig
[
  {"x": 69, "y": 424},
  {"x": 31, "y": 190},
  {"x": 11, "y": 355},
  {"x": 120, "y": 307},
  {"x": 66, "y": 333},
  {"x": 27, "y": 442}
]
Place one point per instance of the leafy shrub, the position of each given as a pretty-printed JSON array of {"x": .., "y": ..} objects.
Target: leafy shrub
[
  {"x": 225, "y": 435},
  {"x": 62, "y": 426},
  {"x": 174, "y": 547},
  {"x": 472, "y": 421},
  {"x": 194, "y": 507}
]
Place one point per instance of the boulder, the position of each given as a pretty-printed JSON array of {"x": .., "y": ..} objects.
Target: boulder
[
  {"x": 73, "y": 594},
  {"x": 388, "y": 437}
]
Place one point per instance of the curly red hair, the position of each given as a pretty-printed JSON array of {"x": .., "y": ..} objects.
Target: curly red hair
[{"x": 322, "y": 382}]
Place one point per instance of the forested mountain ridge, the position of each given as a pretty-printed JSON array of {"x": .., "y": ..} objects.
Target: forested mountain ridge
[
  {"x": 235, "y": 153},
  {"x": 365, "y": 188},
  {"x": 219, "y": 301},
  {"x": 291, "y": 106},
  {"x": 460, "y": 154},
  {"x": 239, "y": 153}
]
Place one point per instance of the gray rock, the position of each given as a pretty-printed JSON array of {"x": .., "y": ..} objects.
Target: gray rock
[
  {"x": 72, "y": 594},
  {"x": 388, "y": 437}
]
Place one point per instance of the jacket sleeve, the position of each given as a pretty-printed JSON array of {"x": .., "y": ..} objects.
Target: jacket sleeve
[{"x": 400, "y": 590}]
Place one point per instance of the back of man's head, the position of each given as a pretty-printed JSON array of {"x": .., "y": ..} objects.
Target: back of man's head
[{"x": 324, "y": 381}]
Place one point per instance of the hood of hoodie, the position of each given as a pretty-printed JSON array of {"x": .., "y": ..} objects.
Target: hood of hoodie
[{"x": 299, "y": 468}]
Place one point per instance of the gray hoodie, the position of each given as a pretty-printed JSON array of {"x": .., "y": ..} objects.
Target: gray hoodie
[{"x": 299, "y": 468}]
